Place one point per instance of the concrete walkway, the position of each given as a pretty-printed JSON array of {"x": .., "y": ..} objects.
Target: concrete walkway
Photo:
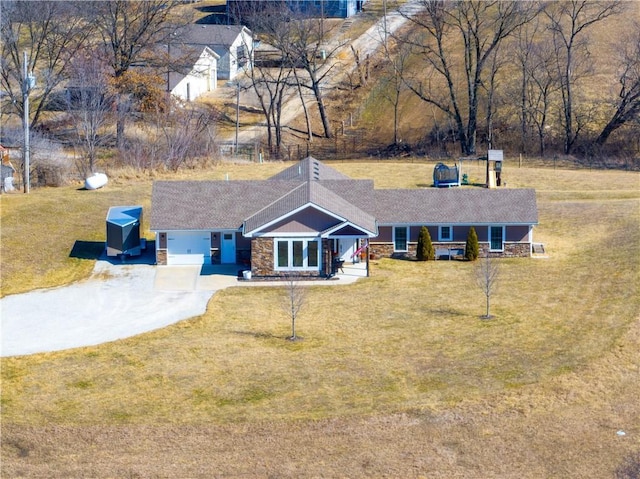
[{"x": 119, "y": 301}]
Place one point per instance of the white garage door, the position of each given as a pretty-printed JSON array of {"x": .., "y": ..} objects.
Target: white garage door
[{"x": 188, "y": 248}]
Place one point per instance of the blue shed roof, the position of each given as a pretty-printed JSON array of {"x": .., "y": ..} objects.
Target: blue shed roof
[{"x": 124, "y": 215}]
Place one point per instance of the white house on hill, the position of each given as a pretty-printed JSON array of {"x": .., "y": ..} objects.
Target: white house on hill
[
  {"x": 232, "y": 43},
  {"x": 189, "y": 82}
]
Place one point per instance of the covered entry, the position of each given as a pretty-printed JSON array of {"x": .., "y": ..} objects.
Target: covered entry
[{"x": 345, "y": 249}]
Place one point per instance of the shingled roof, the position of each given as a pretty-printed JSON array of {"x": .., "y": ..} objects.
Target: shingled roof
[
  {"x": 456, "y": 206},
  {"x": 206, "y": 205},
  {"x": 310, "y": 169},
  {"x": 314, "y": 193},
  {"x": 252, "y": 205},
  {"x": 211, "y": 34}
]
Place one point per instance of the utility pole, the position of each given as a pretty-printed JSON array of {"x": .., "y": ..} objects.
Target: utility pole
[
  {"x": 384, "y": 22},
  {"x": 28, "y": 83},
  {"x": 237, "y": 115}
]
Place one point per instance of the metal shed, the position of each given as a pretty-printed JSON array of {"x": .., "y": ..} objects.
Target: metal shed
[{"x": 123, "y": 231}]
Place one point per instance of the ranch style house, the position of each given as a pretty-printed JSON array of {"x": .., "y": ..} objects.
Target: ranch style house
[{"x": 309, "y": 216}]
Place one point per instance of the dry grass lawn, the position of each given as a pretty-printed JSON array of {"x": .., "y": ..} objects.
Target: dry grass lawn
[{"x": 397, "y": 375}]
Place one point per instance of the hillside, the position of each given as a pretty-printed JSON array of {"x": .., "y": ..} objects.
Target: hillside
[{"x": 364, "y": 112}]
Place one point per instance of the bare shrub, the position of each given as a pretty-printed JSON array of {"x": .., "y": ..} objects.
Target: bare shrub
[{"x": 49, "y": 163}]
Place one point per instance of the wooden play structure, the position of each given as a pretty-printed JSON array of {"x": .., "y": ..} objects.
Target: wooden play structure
[{"x": 494, "y": 169}]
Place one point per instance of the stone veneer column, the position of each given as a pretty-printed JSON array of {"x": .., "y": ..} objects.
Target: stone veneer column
[
  {"x": 262, "y": 257},
  {"x": 161, "y": 256}
]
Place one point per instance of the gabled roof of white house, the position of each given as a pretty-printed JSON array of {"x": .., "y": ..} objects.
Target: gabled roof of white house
[
  {"x": 184, "y": 60},
  {"x": 212, "y": 34}
]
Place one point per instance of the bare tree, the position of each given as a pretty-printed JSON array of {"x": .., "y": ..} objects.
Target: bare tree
[
  {"x": 487, "y": 273},
  {"x": 295, "y": 295},
  {"x": 89, "y": 99},
  {"x": 308, "y": 48},
  {"x": 445, "y": 28},
  {"x": 535, "y": 59},
  {"x": 131, "y": 32},
  {"x": 491, "y": 87},
  {"x": 627, "y": 106},
  {"x": 272, "y": 72},
  {"x": 182, "y": 135},
  {"x": 51, "y": 33},
  {"x": 397, "y": 58},
  {"x": 540, "y": 94},
  {"x": 569, "y": 24}
]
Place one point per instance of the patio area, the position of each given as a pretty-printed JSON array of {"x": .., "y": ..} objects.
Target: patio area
[{"x": 215, "y": 277}]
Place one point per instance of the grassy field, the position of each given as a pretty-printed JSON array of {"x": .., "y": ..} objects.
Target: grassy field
[{"x": 397, "y": 375}]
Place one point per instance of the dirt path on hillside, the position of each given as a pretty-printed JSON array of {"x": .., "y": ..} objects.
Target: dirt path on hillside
[{"x": 367, "y": 45}]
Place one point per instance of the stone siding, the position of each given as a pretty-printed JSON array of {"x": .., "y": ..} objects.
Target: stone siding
[
  {"x": 380, "y": 250},
  {"x": 262, "y": 257},
  {"x": 511, "y": 250},
  {"x": 161, "y": 256},
  {"x": 262, "y": 261}
]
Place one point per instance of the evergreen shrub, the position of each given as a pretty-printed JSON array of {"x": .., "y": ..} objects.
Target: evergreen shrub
[
  {"x": 472, "y": 248},
  {"x": 425, "y": 249}
]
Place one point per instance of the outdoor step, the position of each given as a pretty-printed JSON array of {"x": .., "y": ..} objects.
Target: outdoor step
[{"x": 538, "y": 248}]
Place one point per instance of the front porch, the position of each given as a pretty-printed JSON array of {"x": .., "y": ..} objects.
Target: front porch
[{"x": 215, "y": 277}]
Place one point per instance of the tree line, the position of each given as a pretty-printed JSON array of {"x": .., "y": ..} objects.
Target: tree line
[
  {"x": 521, "y": 63},
  {"x": 481, "y": 67}
]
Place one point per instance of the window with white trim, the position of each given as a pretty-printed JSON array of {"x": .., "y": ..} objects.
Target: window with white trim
[
  {"x": 241, "y": 55},
  {"x": 296, "y": 254},
  {"x": 496, "y": 238},
  {"x": 400, "y": 238},
  {"x": 445, "y": 233}
]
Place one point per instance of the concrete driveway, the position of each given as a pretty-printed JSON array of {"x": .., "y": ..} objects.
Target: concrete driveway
[{"x": 118, "y": 301}]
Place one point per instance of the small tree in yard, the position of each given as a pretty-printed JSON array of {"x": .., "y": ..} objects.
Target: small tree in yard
[
  {"x": 472, "y": 248},
  {"x": 487, "y": 273},
  {"x": 425, "y": 249},
  {"x": 295, "y": 299}
]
